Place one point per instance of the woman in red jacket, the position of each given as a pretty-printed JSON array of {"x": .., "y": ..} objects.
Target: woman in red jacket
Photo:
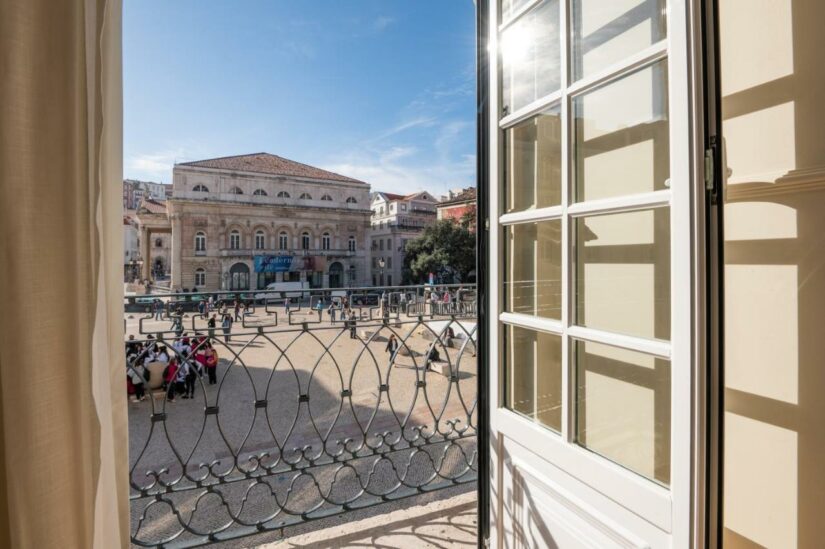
[{"x": 169, "y": 375}]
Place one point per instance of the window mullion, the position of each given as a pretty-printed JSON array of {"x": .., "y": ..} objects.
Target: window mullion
[{"x": 567, "y": 380}]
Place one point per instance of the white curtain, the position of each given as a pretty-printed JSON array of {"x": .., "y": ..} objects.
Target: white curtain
[{"x": 63, "y": 427}]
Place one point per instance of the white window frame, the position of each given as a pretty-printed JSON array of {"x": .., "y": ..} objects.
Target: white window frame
[
  {"x": 326, "y": 241},
  {"x": 200, "y": 276},
  {"x": 351, "y": 244},
  {"x": 200, "y": 242},
  {"x": 260, "y": 240},
  {"x": 283, "y": 240},
  {"x": 234, "y": 239},
  {"x": 668, "y": 508},
  {"x": 306, "y": 240}
]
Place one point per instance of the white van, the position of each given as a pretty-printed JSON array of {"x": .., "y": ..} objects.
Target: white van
[{"x": 278, "y": 290}]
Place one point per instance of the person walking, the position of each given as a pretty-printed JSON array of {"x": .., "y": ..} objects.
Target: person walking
[
  {"x": 237, "y": 309},
  {"x": 352, "y": 325},
  {"x": 403, "y": 302},
  {"x": 392, "y": 347},
  {"x": 157, "y": 305},
  {"x": 286, "y": 306},
  {"x": 320, "y": 308},
  {"x": 226, "y": 325},
  {"x": 331, "y": 311},
  {"x": 202, "y": 307},
  {"x": 210, "y": 324}
]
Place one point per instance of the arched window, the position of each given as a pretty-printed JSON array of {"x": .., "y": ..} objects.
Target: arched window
[
  {"x": 305, "y": 196},
  {"x": 260, "y": 240},
  {"x": 200, "y": 277},
  {"x": 235, "y": 240},
  {"x": 305, "y": 240},
  {"x": 200, "y": 189},
  {"x": 283, "y": 194},
  {"x": 259, "y": 192},
  {"x": 200, "y": 241},
  {"x": 327, "y": 198},
  {"x": 325, "y": 241},
  {"x": 351, "y": 244},
  {"x": 351, "y": 200},
  {"x": 235, "y": 190},
  {"x": 283, "y": 241}
]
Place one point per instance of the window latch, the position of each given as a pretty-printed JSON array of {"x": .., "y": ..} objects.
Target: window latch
[{"x": 709, "y": 182}]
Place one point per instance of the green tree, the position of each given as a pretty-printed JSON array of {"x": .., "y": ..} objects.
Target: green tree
[{"x": 446, "y": 249}]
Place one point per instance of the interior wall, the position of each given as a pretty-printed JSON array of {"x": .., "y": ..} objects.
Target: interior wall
[{"x": 773, "y": 109}]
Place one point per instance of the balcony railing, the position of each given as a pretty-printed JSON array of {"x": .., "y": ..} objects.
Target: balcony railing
[
  {"x": 306, "y": 417},
  {"x": 246, "y": 252}
]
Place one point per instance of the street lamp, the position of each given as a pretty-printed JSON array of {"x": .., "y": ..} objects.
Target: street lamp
[{"x": 381, "y": 265}]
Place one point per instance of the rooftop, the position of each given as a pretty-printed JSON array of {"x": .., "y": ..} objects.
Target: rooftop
[
  {"x": 269, "y": 164},
  {"x": 467, "y": 195}
]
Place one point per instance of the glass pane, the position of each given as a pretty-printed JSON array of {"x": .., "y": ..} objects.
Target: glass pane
[
  {"x": 621, "y": 136},
  {"x": 532, "y": 150},
  {"x": 530, "y": 57},
  {"x": 623, "y": 273},
  {"x": 533, "y": 363},
  {"x": 510, "y": 7},
  {"x": 607, "y": 31},
  {"x": 532, "y": 277},
  {"x": 623, "y": 407}
]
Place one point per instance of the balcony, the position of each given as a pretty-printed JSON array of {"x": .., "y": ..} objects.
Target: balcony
[
  {"x": 306, "y": 420},
  {"x": 248, "y": 252}
]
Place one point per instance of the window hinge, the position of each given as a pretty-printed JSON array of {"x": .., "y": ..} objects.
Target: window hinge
[{"x": 709, "y": 182}]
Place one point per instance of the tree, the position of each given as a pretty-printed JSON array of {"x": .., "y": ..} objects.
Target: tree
[{"x": 446, "y": 249}]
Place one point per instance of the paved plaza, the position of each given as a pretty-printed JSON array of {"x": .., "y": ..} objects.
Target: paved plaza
[{"x": 288, "y": 395}]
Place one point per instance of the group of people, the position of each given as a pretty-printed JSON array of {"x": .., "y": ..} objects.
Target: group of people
[{"x": 188, "y": 360}]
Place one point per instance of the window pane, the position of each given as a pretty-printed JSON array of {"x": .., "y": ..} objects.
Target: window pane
[
  {"x": 533, "y": 365},
  {"x": 623, "y": 407},
  {"x": 532, "y": 278},
  {"x": 530, "y": 57},
  {"x": 623, "y": 273},
  {"x": 533, "y": 163},
  {"x": 605, "y": 32},
  {"x": 510, "y": 7},
  {"x": 621, "y": 136}
]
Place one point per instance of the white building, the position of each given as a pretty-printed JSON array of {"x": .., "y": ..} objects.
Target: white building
[{"x": 396, "y": 219}]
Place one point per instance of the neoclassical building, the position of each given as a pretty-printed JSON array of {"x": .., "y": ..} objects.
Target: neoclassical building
[{"x": 242, "y": 222}]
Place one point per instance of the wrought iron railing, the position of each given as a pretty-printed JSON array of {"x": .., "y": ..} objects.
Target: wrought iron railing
[{"x": 305, "y": 418}]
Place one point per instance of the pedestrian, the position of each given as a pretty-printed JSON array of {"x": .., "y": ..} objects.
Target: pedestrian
[
  {"x": 210, "y": 363},
  {"x": 286, "y": 306},
  {"x": 211, "y": 325},
  {"x": 190, "y": 376},
  {"x": 404, "y": 302},
  {"x": 226, "y": 325},
  {"x": 210, "y": 303},
  {"x": 392, "y": 347},
  {"x": 170, "y": 374},
  {"x": 352, "y": 324},
  {"x": 237, "y": 308},
  {"x": 181, "y": 375},
  {"x": 331, "y": 312},
  {"x": 137, "y": 375},
  {"x": 158, "y": 307},
  {"x": 202, "y": 307},
  {"x": 319, "y": 307}
]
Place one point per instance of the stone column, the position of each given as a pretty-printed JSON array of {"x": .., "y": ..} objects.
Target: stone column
[{"x": 176, "y": 250}]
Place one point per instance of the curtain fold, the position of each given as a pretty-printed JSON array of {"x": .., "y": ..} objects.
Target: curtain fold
[{"x": 63, "y": 426}]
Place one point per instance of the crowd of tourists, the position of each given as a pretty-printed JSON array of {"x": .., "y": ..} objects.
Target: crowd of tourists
[{"x": 177, "y": 368}]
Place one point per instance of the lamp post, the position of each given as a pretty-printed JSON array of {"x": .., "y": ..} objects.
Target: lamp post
[{"x": 381, "y": 264}]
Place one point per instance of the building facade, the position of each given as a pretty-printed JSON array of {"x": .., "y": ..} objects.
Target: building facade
[
  {"x": 134, "y": 191},
  {"x": 458, "y": 205},
  {"x": 243, "y": 222},
  {"x": 396, "y": 219}
]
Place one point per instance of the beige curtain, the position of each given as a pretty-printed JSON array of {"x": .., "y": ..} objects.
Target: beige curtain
[{"x": 63, "y": 429}]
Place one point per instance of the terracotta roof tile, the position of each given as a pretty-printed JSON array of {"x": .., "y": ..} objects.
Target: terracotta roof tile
[
  {"x": 153, "y": 206},
  {"x": 269, "y": 164}
]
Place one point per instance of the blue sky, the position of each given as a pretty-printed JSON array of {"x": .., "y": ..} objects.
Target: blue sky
[{"x": 380, "y": 90}]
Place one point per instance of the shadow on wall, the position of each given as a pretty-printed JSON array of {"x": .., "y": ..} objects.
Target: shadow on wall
[{"x": 774, "y": 128}]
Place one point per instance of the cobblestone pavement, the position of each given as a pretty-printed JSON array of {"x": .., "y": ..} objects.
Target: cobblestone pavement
[{"x": 314, "y": 390}]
